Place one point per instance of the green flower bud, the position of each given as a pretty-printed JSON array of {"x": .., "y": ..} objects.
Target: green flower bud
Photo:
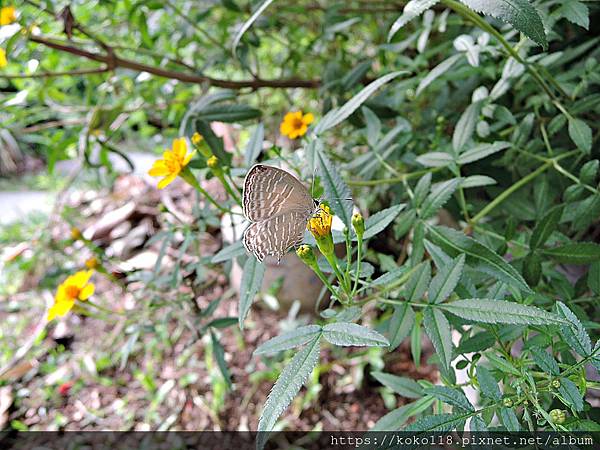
[
  {"x": 555, "y": 384},
  {"x": 212, "y": 162},
  {"x": 306, "y": 254},
  {"x": 358, "y": 223},
  {"x": 558, "y": 416},
  {"x": 507, "y": 402}
]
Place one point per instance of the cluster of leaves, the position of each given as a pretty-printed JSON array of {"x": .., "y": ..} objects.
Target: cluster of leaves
[{"x": 454, "y": 117}]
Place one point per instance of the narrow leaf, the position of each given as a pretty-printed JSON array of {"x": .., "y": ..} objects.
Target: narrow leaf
[
  {"x": 481, "y": 151},
  {"x": 336, "y": 190},
  {"x": 291, "y": 339},
  {"x": 438, "y": 330},
  {"x": 544, "y": 228},
  {"x": 445, "y": 280},
  {"x": 401, "y": 323},
  {"x": 509, "y": 419},
  {"x": 438, "y": 197},
  {"x": 451, "y": 396},
  {"x": 569, "y": 391},
  {"x": 438, "y": 422},
  {"x": 545, "y": 361},
  {"x": 435, "y": 159},
  {"x": 438, "y": 71},
  {"x": 250, "y": 285},
  {"x": 380, "y": 220},
  {"x": 581, "y": 134},
  {"x": 465, "y": 126},
  {"x": 254, "y": 146},
  {"x": 418, "y": 282},
  {"x": 350, "y": 334},
  {"x": 394, "y": 420},
  {"x": 488, "y": 384},
  {"x": 219, "y": 354},
  {"x": 231, "y": 251},
  {"x": 248, "y": 23},
  {"x": 412, "y": 10},
  {"x": 573, "y": 331},
  {"x": 575, "y": 253},
  {"x": 406, "y": 387},
  {"x": 498, "y": 311}
]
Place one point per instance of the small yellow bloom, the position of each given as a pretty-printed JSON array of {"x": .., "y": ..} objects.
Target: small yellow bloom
[
  {"x": 212, "y": 162},
  {"x": 75, "y": 233},
  {"x": 320, "y": 224},
  {"x": 359, "y": 224},
  {"x": 7, "y": 15},
  {"x": 75, "y": 287},
  {"x": 196, "y": 138},
  {"x": 172, "y": 163},
  {"x": 91, "y": 263},
  {"x": 295, "y": 124},
  {"x": 306, "y": 254},
  {"x": 3, "y": 60}
]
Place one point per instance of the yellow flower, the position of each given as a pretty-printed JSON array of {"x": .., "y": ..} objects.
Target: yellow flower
[
  {"x": 75, "y": 287},
  {"x": 3, "y": 61},
  {"x": 173, "y": 162},
  {"x": 212, "y": 162},
  {"x": 295, "y": 124},
  {"x": 75, "y": 233},
  {"x": 196, "y": 138},
  {"x": 7, "y": 15},
  {"x": 320, "y": 223},
  {"x": 91, "y": 263}
]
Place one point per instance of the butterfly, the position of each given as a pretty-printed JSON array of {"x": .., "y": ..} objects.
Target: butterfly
[{"x": 278, "y": 206}]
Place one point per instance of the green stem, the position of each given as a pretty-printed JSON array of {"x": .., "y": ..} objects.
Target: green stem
[
  {"x": 331, "y": 259},
  {"x": 187, "y": 175},
  {"x": 234, "y": 194},
  {"x": 393, "y": 180},
  {"x": 358, "y": 262},
  {"x": 315, "y": 267},
  {"x": 102, "y": 308}
]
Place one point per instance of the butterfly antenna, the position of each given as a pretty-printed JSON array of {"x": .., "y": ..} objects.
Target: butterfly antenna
[{"x": 312, "y": 183}]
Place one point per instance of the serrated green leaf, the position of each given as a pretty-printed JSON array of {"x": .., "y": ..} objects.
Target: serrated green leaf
[
  {"x": 519, "y": 13},
  {"x": 488, "y": 384},
  {"x": 418, "y": 282},
  {"x": 499, "y": 311},
  {"x": 248, "y": 23},
  {"x": 477, "y": 425},
  {"x": 476, "y": 343},
  {"x": 291, "y": 339},
  {"x": 445, "y": 280},
  {"x": 231, "y": 251},
  {"x": 251, "y": 283},
  {"x": 438, "y": 330},
  {"x": 286, "y": 387},
  {"x": 219, "y": 354},
  {"x": 437, "y": 72},
  {"x": 575, "y": 253},
  {"x": 351, "y": 334},
  {"x": 573, "y": 331},
  {"x": 394, "y": 420},
  {"x": 254, "y": 146},
  {"x": 455, "y": 242},
  {"x": 389, "y": 277},
  {"x": 437, "y": 422},
  {"x": 435, "y": 159},
  {"x": 481, "y": 151},
  {"x": 593, "y": 277},
  {"x": 544, "y": 228},
  {"x": 576, "y": 12},
  {"x": 509, "y": 419},
  {"x": 336, "y": 190},
  {"x": 465, "y": 126},
  {"x": 412, "y": 10},
  {"x": 338, "y": 115},
  {"x": 568, "y": 390},
  {"x": 421, "y": 190},
  {"x": 401, "y": 323},
  {"x": 451, "y": 396},
  {"x": 438, "y": 197},
  {"x": 545, "y": 361},
  {"x": 581, "y": 134},
  {"x": 477, "y": 181},
  {"x": 380, "y": 220},
  {"x": 503, "y": 366},
  {"x": 406, "y": 387}
]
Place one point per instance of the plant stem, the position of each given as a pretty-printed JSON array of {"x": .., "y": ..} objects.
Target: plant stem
[
  {"x": 358, "y": 262},
  {"x": 393, "y": 180}
]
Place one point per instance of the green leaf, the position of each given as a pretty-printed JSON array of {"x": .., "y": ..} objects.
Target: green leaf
[
  {"x": 251, "y": 283},
  {"x": 573, "y": 331},
  {"x": 421, "y": 190},
  {"x": 502, "y": 364},
  {"x": 437, "y": 422},
  {"x": 465, "y": 126},
  {"x": 222, "y": 322},
  {"x": 231, "y": 251},
  {"x": 435, "y": 159},
  {"x": 248, "y": 23},
  {"x": 544, "y": 228},
  {"x": 439, "y": 195},
  {"x": 227, "y": 113},
  {"x": 373, "y": 124},
  {"x": 336, "y": 116},
  {"x": 445, "y": 280},
  {"x": 509, "y": 419},
  {"x": 476, "y": 343},
  {"x": 545, "y": 361},
  {"x": 438, "y": 330},
  {"x": 394, "y": 420},
  {"x": 406, "y": 387},
  {"x": 291, "y": 339},
  {"x": 519, "y": 13},
  {"x": 481, "y": 151},
  {"x": 593, "y": 277},
  {"x": 412, "y": 10},
  {"x": 477, "y": 424},
  {"x": 336, "y": 189},
  {"x": 390, "y": 276},
  {"x": 219, "y": 354},
  {"x": 438, "y": 71},
  {"x": 575, "y": 253},
  {"x": 451, "y": 396},
  {"x": 532, "y": 268},
  {"x": 498, "y": 311},
  {"x": 488, "y": 384},
  {"x": 418, "y": 282},
  {"x": 576, "y": 12},
  {"x": 568, "y": 390},
  {"x": 455, "y": 242},
  {"x": 401, "y": 322},
  {"x": 287, "y": 386},
  {"x": 581, "y": 134},
  {"x": 350, "y": 334},
  {"x": 381, "y": 219},
  {"x": 254, "y": 146}
]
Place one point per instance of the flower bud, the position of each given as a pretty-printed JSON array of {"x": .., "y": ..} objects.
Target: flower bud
[
  {"x": 306, "y": 254},
  {"x": 75, "y": 233},
  {"x": 212, "y": 162},
  {"x": 558, "y": 416},
  {"x": 196, "y": 138},
  {"x": 556, "y": 384},
  {"x": 91, "y": 263},
  {"x": 507, "y": 402},
  {"x": 359, "y": 224}
]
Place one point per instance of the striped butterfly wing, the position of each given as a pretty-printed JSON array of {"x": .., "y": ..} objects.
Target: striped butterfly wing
[
  {"x": 276, "y": 235},
  {"x": 269, "y": 191}
]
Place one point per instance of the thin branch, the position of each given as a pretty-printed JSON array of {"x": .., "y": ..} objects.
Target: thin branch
[
  {"x": 56, "y": 74},
  {"x": 113, "y": 61}
]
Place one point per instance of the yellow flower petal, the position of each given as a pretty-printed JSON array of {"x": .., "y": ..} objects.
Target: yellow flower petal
[
  {"x": 285, "y": 128},
  {"x": 308, "y": 118},
  {"x": 302, "y": 131},
  {"x": 188, "y": 158},
  {"x": 81, "y": 278},
  {"x": 158, "y": 170},
  {"x": 297, "y": 115},
  {"x": 7, "y": 15},
  {"x": 87, "y": 292},
  {"x": 3, "y": 61},
  {"x": 51, "y": 314},
  {"x": 63, "y": 308},
  {"x": 167, "y": 180},
  {"x": 179, "y": 148},
  {"x": 61, "y": 294},
  {"x": 289, "y": 116},
  {"x": 294, "y": 134}
]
